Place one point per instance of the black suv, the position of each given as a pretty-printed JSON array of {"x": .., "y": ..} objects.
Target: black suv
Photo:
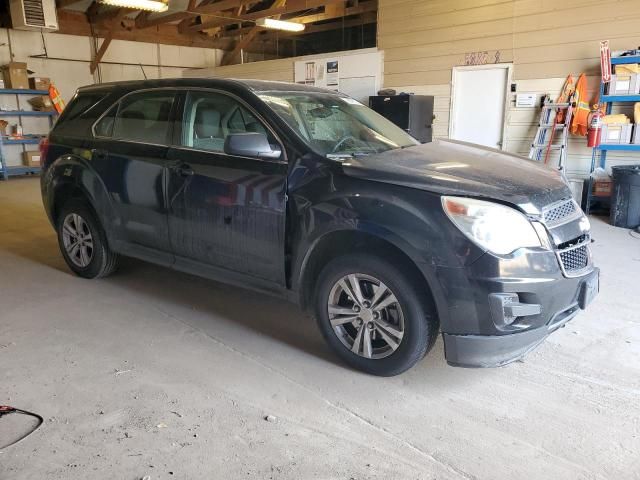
[{"x": 307, "y": 194}]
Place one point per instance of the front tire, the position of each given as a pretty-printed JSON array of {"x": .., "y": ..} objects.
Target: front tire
[
  {"x": 375, "y": 314},
  {"x": 83, "y": 242}
]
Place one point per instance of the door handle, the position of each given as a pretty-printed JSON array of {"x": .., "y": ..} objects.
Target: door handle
[{"x": 184, "y": 170}]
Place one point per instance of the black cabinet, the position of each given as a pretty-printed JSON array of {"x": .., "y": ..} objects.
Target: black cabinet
[{"x": 413, "y": 113}]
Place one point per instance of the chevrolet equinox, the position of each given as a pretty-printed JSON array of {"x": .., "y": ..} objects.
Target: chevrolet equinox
[{"x": 307, "y": 194}]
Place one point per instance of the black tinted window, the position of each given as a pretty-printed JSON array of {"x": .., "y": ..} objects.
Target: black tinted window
[
  {"x": 144, "y": 117},
  {"x": 81, "y": 104}
]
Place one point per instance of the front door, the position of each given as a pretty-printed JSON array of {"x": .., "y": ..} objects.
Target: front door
[
  {"x": 225, "y": 211},
  {"x": 479, "y": 96},
  {"x": 130, "y": 152}
]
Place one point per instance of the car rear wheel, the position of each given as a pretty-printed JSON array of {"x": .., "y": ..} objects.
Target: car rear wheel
[
  {"x": 374, "y": 315},
  {"x": 83, "y": 241}
]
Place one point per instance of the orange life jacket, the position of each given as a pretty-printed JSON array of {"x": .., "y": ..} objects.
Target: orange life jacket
[{"x": 580, "y": 121}]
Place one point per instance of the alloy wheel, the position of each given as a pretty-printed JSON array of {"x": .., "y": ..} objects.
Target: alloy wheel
[
  {"x": 366, "y": 316},
  {"x": 77, "y": 240}
]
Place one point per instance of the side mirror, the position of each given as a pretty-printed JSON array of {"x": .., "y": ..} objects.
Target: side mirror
[{"x": 251, "y": 144}]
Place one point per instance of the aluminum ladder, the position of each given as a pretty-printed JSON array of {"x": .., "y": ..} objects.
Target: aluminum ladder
[{"x": 543, "y": 142}]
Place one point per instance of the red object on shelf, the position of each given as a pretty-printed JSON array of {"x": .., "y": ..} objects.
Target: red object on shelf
[{"x": 595, "y": 126}]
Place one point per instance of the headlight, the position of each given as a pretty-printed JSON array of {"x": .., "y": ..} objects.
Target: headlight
[{"x": 492, "y": 226}]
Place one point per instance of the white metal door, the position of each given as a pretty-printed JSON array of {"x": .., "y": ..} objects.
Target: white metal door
[{"x": 479, "y": 98}]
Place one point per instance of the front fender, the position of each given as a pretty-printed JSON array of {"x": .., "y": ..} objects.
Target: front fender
[{"x": 411, "y": 220}]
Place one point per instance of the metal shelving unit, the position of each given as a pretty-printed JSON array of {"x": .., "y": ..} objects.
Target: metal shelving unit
[
  {"x": 29, "y": 139},
  {"x": 599, "y": 155}
]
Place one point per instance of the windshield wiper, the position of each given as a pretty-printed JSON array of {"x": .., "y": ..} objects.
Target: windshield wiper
[{"x": 342, "y": 156}]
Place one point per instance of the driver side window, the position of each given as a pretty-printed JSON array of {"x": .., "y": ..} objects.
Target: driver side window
[{"x": 210, "y": 117}]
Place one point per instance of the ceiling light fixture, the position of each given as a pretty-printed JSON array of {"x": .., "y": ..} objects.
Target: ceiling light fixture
[
  {"x": 280, "y": 25},
  {"x": 148, "y": 5}
]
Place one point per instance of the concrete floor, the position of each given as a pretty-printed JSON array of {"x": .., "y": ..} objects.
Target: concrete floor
[{"x": 152, "y": 372}]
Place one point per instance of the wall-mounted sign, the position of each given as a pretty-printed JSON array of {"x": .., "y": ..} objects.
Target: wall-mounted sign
[
  {"x": 332, "y": 73},
  {"x": 525, "y": 100}
]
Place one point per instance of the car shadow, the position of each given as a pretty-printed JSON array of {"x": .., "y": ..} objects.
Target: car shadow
[{"x": 184, "y": 294}]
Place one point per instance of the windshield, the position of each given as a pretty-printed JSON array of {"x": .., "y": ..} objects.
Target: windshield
[{"x": 336, "y": 126}]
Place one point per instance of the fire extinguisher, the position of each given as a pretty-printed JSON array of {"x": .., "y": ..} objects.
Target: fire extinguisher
[{"x": 595, "y": 126}]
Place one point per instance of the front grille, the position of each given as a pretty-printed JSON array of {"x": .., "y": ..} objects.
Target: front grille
[
  {"x": 559, "y": 212},
  {"x": 575, "y": 259}
]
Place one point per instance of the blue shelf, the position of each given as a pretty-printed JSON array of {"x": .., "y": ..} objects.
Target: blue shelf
[
  {"x": 620, "y": 98},
  {"x": 22, "y": 91},
  {"x": 11, "y": 171},
  {"x": 624, "y": 147},
  {"x": 21, "y": 141},
  {"x": 24, "y": 113},
  {"x": 625, "y": 60}
]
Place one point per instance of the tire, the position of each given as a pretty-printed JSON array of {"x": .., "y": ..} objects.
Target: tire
[
  {"x": 412, "y": 315},
  {"x": 99, "y": 260}
]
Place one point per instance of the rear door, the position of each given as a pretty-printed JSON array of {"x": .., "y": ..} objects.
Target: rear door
[
  {"x": 225, "y": 211},
  {"x": 130, "y": 152}
]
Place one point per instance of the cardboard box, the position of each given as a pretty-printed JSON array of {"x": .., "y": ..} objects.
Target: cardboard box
[
  {"x": 602, "y": 188},
  {"x": 42, "y": 103},
  {"x": 15, "y": 75},
  {"x": 31, "y": 159},
  {"x": 3, "y": 127},
  {"x": 39, "y": 83}
]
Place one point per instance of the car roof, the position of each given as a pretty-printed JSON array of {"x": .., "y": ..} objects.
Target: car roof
[{"x": 222, "y": 83}]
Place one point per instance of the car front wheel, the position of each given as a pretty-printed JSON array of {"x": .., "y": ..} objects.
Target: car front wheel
[{"x": 374, "y": 314}]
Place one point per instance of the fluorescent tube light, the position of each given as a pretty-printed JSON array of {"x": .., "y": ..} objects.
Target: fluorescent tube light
[
  {"x": 280, "y": 25},
  {"x": 148, "y": 5}
]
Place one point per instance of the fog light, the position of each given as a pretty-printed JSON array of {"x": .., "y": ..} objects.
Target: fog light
[{"x": 506, "y": 308}]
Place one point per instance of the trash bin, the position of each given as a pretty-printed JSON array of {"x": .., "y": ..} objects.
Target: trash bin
[{"x": 625, "y": 202}]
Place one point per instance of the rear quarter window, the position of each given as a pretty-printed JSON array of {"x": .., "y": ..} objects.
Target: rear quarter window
[{"x": 79, "y": 113}]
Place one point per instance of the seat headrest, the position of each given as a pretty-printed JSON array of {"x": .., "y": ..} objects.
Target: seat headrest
[{"x": 207, "y": 122}]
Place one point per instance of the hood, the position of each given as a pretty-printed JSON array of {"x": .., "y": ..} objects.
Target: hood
[{"x": 458, "y": 168}]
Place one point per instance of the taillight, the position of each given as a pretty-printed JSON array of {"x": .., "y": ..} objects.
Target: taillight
[{"x": 44, "y": 149}]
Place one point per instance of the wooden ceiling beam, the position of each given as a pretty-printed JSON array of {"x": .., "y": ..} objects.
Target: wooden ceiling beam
[
  {"x": 364, "y": 19},
  {"x": 76, "y": 23},
  {"x": 248, "y": 38},
  {"x": 330, "y": 14},
  {"x": 293, "y": 6},
  {"x": 101, "y": 15},
  {"x": 66, "y": 3},
  {"x": 366, "y": 10},
  {"x": 171, "y": 17}
]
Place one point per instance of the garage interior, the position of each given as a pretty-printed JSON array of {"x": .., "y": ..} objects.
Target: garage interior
[{"x": 155, "y": 374}]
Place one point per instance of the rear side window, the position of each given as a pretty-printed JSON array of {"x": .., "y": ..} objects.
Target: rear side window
[
  {"x": 140, "y": 117},
  {"x": 81, "y": 104},
  {"x": 79, "y": 114}
]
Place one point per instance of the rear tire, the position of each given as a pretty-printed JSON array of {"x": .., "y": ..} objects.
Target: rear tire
[
  {"x": 397, "y": 318},
  {"x": 83, "y": 242}
]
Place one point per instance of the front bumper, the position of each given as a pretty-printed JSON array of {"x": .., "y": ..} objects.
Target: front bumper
[{"x": 496, "y": 350}]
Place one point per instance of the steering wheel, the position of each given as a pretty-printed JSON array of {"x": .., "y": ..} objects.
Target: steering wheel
[{"x": 341, "y": 141}]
